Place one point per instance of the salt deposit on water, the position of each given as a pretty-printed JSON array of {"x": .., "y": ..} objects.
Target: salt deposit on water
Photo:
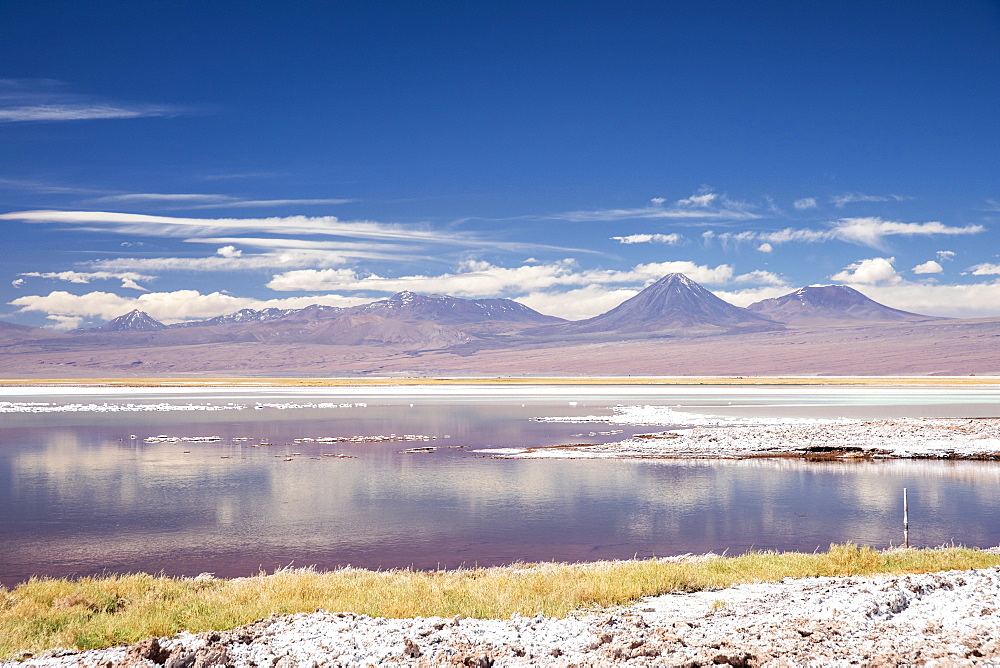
[
  {"x": 714, "y": 436},
  {"x": 949, "y": 618}
]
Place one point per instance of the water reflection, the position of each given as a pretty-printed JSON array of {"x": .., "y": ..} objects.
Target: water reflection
[{"x": 80, "y": 496}]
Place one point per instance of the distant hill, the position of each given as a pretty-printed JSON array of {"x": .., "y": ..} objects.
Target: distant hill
[
  {"x": 12, "y": 332},
  {"x": 241, "y": 316},
  {"x": 407, "y": 320},
  {"x": 824, "y": 305},
  {"x": 675, "y": 305},
  {"x": 453, "y": 310}
]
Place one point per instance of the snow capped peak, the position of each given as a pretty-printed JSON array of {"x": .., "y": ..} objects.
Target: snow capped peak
[
  {"x": 404, "y": 296},
  {"x": 677, "y": 278},
  {"x": 133, "y": 321}
]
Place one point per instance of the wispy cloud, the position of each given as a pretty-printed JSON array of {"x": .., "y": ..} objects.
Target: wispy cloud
[
  {"x": 210, "y": 201},
  {"x": 79, "y": 112},
  {"x": 172, "y": 198},
  {"x": 671, "y": 239},
  {"x": 805, "y": 203},
  {"x": 330, "y": 226},
  {"x": 230, "y": 258},
  {"x": 249, "y": 203},
  {"x": 702, "y": 205},
  {"x": 871, "y": 232},
  {"x": 40, "y": 100},
  {"x": 841, "y": 201},
  {"x": 128, "y": 279},
  {"x": 345, "y": 247},
  {"x": 47, "y": 188}
]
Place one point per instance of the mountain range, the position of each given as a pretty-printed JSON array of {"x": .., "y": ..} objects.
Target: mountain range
[{"x": 379, "y": 336}]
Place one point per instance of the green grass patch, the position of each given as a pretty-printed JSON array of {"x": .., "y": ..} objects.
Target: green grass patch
[{"x": 85, "y": 613}]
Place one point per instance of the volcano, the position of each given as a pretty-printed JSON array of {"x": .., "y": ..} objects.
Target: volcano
[
  {"x": 830, "y": 305},
  {"x": 675, "y": 305},
  {"x": 133, "y": 321}
]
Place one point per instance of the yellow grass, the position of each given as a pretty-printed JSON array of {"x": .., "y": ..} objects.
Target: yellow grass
[
  {"x": 861, "y": 381},
  {"x": 97, "y": 612}
]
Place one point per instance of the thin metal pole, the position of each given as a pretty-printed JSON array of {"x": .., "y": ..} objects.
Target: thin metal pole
[{"x": 906, "y": 521}]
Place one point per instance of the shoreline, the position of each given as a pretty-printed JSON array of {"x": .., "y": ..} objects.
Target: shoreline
[
  {"x": 709, "y": 437},
  {"x": 407, "y": 381}
]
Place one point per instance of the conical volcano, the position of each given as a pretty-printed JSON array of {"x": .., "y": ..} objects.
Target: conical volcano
[
  {"x": 830, "y": 305},
  {"x": 675, "y": 305},
  {"x": 133, "y": 321}
]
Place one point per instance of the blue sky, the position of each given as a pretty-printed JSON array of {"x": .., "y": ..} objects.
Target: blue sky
[{"x": 191, "y": 158}]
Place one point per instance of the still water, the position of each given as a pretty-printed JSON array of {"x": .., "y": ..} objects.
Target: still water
[{"x": 79, "y": 495}]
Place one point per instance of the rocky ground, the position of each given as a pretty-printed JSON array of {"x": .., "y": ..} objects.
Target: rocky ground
[{"x": 949, "y": 618}]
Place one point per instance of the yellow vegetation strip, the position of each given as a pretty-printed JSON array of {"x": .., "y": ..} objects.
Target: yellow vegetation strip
[{"x": 121, "y": 609}]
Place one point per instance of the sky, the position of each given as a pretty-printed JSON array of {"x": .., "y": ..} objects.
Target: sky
[{"x": 191, "y": 159}]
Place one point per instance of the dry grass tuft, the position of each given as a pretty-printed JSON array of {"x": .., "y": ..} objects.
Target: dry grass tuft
[{"x": 85, "y": 613}]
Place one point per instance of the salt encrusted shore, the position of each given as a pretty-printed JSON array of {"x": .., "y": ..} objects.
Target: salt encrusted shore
[
  {"x": 694, "y": 436},
  {"x": 948, "y": 618}
]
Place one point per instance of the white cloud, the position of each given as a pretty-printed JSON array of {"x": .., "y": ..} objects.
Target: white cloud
[
  {"x": 64, "y": 323},
  {"x": 805, "y": 203},
  {"x": 760, "y": 277},
  {"x": 672, "y": 239},
  {"x": 840, "y": 201},
  {"x": 17, "y": 282},
  {"x": 229, "y": 251},
  {"x": 705, "y": 199},
  {"x": 481, "y": 279},
  {"x": 944, "y": 256},
  {"x": 577, "y": 304},
  {"x": 167, "y": 307},
  {"x": 985, "y": 269},
  {"x": 929, "y": 267},
  {"x": 765, "y": 247},
  {"x": 128, "y": 279},
  {"x": 872, "y": 271},
  {"x": 869, "y": 232},
  {"x": 748, "y": 296},
  {"x": 976, "y": 300}
]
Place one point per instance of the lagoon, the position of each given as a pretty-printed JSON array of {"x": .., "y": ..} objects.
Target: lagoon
[{"x": 79, "y": 495}]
